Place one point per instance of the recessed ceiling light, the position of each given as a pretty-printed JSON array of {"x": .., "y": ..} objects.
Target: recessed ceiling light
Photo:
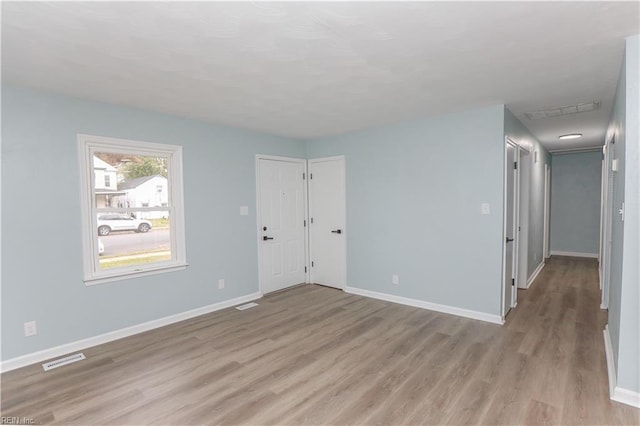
[{"x": 571, "y": 136}]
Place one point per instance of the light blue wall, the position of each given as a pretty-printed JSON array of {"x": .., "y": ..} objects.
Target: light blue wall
[
  {"x": 624, "y": 296},
  {"x": 41, "y": 240},
  {"x": 413, "y": 207},
  {"x": 617, "y": 128},
  {"x": 575, "y": 202},
  {"x": 629, "y": 356},
  {"x": 519, "y": 134}
]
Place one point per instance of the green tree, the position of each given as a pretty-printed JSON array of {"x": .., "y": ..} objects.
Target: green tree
[{"x": 146, "y": 166}]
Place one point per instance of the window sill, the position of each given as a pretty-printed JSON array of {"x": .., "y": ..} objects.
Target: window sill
[{"x": 134, "y": 274}]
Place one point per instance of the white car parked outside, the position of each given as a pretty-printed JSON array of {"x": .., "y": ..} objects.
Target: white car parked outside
[{"x": 121, "y": 222}]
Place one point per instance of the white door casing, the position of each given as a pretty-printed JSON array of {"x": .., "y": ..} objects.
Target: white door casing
[
  {"x": 608, "y": 211},
  {"x": 327, "y": 221},
  {"x": 281, "y": 216},
  {"x": 603, "y": 192},
  {"x": 547, "y": 213},
  {"x": 604, "y": 189}
]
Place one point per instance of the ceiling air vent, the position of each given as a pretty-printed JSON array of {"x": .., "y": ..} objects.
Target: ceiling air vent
[{"x": 565, "y": 110}]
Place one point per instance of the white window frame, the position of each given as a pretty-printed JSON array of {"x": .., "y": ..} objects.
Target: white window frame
[{"x": 88, "y": 145}]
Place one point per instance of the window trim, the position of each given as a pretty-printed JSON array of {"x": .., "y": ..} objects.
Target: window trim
[{"x": 87, "y": 146}]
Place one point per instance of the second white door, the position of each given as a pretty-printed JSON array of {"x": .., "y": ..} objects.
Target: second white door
[
  {"x": 510, "y": 227},
  {"x": 281, "y": 221},
  {"x": 327, "y": 227}
]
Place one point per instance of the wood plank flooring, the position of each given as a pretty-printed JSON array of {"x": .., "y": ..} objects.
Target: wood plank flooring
[{"x": 313, "y": 355}]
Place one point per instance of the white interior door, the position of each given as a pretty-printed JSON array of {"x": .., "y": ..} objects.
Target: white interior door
[
  {"x": 524, "y": 167},
  {"x": 281, "y": 222},
  {"x": 327, "y": 220},
  {"x": 510, "y": 222}
]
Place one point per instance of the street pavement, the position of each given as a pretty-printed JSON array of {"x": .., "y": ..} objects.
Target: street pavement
[{"x": 128, "y": 242}]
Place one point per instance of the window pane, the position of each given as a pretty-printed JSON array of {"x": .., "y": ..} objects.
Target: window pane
[
  {"x": 129, "y": 181},
  {"x": 129, "y": 239},
  {"x": 129, "y": 190}
]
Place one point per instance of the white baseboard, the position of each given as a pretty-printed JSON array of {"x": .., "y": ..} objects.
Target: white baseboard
[
  {"x": 625, "y": 396},
  {"x": 611, "y": 367},
  {"x": 482, "y": 316},
  {"x": 616, "y": 393},
  {"x": 533, "y": 276},
  {"x": 574, "y": 254},
  {"x": 43, "y": 355}
]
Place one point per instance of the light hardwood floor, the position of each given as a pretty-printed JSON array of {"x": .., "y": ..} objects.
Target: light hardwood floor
[{"x": 313, "y": 355}]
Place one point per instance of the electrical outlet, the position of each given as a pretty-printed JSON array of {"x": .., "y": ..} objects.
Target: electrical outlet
[
  {"x": 395, "y": 280},
  {"x": 220, "y": 284},
  {"x": 30, "y": 329}
]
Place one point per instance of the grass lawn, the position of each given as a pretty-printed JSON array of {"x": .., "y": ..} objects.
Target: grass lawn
[
  {"x": 106, "y": 264},
  {"x": 159, "y": 223}
]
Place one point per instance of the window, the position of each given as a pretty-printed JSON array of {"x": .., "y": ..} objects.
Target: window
[
  {"x": 107, "y": 181},
  {"x": 144, "y": 234}
]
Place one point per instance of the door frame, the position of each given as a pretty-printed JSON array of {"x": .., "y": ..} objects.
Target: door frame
[
  {"x": 344, "y": 218},
  {"x": 516, "y": 223},
  {"x": 607, "y": 214},
  {"x": 546, "y": 212},
  {"x": 604, "y": 190},
  {"x": 258, "y": 215}
]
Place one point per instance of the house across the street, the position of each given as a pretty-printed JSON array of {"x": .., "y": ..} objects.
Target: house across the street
[
  {"x": 145, "y": 191},
  {"x": 105, "y": 183}
]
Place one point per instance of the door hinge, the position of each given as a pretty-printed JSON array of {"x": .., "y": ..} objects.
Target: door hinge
[
  {"x": 312, "y": 263},
  {"x": 515, "y": 164},
  {"x": 305, "y": 223},
  {"x": 311, "y": 220},
  {"x": 304, "y": 176},
  {"x": 305, "y": 269},
  {"x": 310, "y": 175},
  {"x": 513, "y": 281}
]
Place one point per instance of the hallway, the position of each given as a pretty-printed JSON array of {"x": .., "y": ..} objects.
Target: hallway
[{"x": 564, "y": 371}]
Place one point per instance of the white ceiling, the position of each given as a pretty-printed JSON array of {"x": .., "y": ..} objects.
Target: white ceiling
[{"x": 307, "y": 70}]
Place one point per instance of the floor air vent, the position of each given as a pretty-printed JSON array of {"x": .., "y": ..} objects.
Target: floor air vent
[
  {"x": 246, "y": 306},
  {"x": 63, "y": 361}
]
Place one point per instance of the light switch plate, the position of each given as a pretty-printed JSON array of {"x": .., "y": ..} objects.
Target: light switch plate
[
  {"x": 244, "y": 211},
  {"x": 485, "y": 208},
  {"x": 30, "y": 328}
]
